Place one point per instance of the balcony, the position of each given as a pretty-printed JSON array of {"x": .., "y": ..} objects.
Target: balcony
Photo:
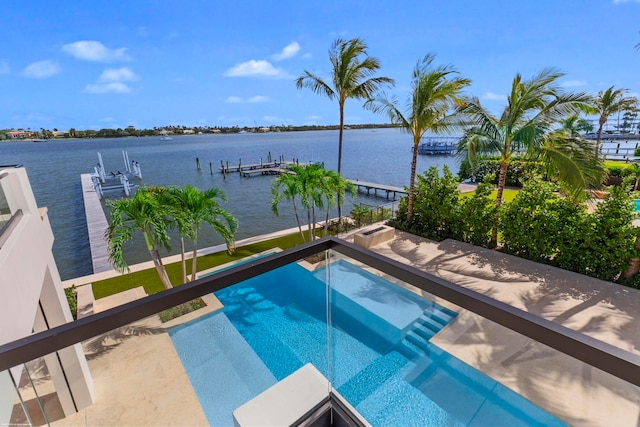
[{"x": 353, "y": 333}]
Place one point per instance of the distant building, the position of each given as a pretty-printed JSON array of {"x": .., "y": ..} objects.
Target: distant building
[
  {"x": 188, "y": 132},
  {"x": 21, "y": 134},
  {"x": 32, "y": 298},
  {"x": 264, "y": 130}
]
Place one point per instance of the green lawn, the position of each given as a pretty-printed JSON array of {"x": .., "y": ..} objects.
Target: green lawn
[
  {"x": 507, "y": 195},
  {"x": 151, "y": 282},
  {"x": 616, "y": 164}
]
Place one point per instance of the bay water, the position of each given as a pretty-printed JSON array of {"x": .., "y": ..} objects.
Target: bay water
[{"x": 381, "y": 156}]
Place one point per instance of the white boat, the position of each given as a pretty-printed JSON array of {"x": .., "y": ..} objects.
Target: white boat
[{"x": 166, "y": 138}]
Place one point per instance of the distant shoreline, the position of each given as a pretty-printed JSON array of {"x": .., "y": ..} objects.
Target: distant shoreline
[{"x": 131, "y": 132}]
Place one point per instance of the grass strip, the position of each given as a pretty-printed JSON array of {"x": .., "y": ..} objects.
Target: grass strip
[{"x": 151, "y": 282}]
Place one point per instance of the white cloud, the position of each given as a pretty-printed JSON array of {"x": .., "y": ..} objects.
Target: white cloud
[
  {"x": 494, "y": 96},
  {"x": 289, "y": 51},
  {"x": 307, "y": 56},
  {"x": 258, "y": 98},
  {"x": 574, "y": 83},
  {"x": 123, "y": 74},
  {"x": 112, "y": 80},
  {"x": 113, "y": 87},
  {"x": 253, "y": 99},
  {"x": 173, "y": 35},
  {"x": 4, "y": 68},
  {"x": 41, "y": 70},
  {"x": 91, "y": 50},
  {"x": 259, "y": 68}
]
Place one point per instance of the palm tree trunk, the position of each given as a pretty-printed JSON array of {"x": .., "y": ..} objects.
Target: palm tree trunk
[
  {"x": 326, "y": 224},
  {"x": 412, "y": 178},
  {"x": 340, "y": 157},
  {"x": 598, "y": 139},
  {"x": 295, "y": 210},
  {"x": 157, "y": 262},
  {"x": 309, "y": 223},
  {"x": 313, "y": 219},
  {"x": 194, "y": 261},
  {"x": 501, "y": 182},
  {"x": 183, "y": 260}
]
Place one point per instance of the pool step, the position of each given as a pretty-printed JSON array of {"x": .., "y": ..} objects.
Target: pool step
[{"x": 415, "y": 343}]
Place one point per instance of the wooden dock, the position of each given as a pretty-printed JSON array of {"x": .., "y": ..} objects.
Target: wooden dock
[
  {"x": 96, "y": 225},
  {"x": 262, "y": 171},
  {"x": 253, "y": 166},
  {"x": 368, "y": 186}
]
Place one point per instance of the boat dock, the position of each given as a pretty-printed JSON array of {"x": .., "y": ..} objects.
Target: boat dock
[
  {"x": 438, "y": 145},
  {"x": 96, "y": 225},
  {"x": 368, "y": 186}
]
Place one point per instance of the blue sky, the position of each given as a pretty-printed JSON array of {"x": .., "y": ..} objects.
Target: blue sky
[{"x": 109, "y": 64}]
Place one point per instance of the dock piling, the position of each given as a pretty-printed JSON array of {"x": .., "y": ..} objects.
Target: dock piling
[{"x": 198, "y": 163}]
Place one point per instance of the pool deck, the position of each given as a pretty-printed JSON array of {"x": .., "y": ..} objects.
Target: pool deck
[
  {"x": 571, "y": 390},
  {"x": 137, "y": 371}
]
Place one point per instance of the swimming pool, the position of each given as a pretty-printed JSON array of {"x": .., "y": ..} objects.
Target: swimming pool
[{"x": 382, "y": 362}]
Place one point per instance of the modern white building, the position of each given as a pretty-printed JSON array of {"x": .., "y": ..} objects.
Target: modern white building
[{"x": 32, "y": 298}]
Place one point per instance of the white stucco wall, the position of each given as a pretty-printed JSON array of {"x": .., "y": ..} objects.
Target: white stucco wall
[{"x": 29, "y": 279}]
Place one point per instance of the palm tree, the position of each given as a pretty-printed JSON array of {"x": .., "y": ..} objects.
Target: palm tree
[
  {"x": 533, "y": 107},
  {"x": 142, "y": 212},
  {"x": 435, "y": 91},
  {"x": 351, "y": 77},
  {"x": 332, "y": 184},
  {"x": 286, "y": 186},
  {"x": 573, "y": 125},
  {"x": 190, "y": 207},
  {"x": 315, "y": 186},
  {"x": 609, "y": 102}
]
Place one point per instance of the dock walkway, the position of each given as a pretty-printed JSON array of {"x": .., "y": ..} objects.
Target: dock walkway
[
  {"x": 388, "y": 189},
  {"x": 96, "y": 225}
]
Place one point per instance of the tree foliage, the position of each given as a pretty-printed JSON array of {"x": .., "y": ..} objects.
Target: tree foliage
[
  {"x": 525, "y": 125},
  {"x": 431, "y": 107},
  {"x": 540, "y": 226}
]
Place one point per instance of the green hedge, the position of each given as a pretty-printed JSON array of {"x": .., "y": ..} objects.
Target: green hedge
[
  {"x": 517, "y": 170},
  {"x": 537, "y": 225}
]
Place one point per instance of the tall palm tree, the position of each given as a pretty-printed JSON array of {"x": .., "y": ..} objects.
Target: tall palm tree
[
  {"x": 351, "y": 77},
  {"x": 431, "y": 107},
  {"x": 145, "y": 213},
  {"x": 191, "y": 208},
  {"x": 533, "y": 107},
  {"x": 609, "y": 102}
]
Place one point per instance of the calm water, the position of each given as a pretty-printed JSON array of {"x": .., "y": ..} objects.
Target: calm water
[{"x": 54, "y": 168}]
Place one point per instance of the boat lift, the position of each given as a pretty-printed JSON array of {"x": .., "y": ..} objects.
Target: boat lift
[{"x": 102, "y": 182}]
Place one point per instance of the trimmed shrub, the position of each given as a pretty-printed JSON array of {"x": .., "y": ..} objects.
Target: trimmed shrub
[
  {"x": 72, "y": 299},
  {"x": 517, "y": 170}
]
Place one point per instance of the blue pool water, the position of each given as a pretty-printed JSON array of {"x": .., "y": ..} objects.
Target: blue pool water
[
  {"x": 637, "y": 205},
  {"x": 382, "y": 360}
]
